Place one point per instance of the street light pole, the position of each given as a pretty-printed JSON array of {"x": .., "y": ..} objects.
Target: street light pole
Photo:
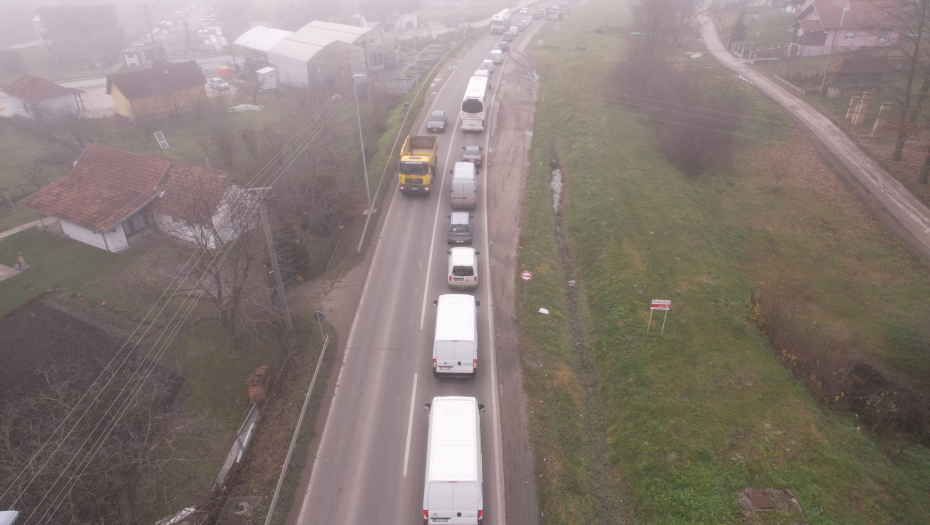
[
  {"x": 835, "y": 34},
  {"x": 361, "y": 138}
]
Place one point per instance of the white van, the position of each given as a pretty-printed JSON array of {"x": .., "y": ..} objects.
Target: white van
[
  {"x": 464, "y": 190},
  {"x": 455, "y": 344},
  {"x": 454, "y": 488},
  {"x": 463, "y": 268},
  {"x": 514, "y": 31},
  {"x": 497, "y": 56}
]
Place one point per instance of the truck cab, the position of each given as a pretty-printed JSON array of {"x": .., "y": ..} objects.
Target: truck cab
[{"x": 417, "y": 165}]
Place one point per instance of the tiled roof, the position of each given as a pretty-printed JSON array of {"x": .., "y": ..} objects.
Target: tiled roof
[
  {"x": 861, "y": 14},
  {"x": 108, "y": 186},
  {"x": 77, "y": 16},
  {"x": 192, "y": 193},
  {"x": 160, "y": 78},
  {"x": 28, "y": 87}
]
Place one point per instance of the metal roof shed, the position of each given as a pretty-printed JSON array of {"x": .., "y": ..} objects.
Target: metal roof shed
[{"x": 261, "y": 39}]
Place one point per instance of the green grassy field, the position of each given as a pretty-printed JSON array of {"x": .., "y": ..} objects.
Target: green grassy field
[{"x": 665, "y": 428}]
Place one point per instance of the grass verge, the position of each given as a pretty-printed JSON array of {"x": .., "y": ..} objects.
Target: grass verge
[{"x": 666, "y": 428}]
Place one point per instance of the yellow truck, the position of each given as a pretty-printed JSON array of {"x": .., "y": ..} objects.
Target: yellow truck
[{"x": 417, "y": 165}]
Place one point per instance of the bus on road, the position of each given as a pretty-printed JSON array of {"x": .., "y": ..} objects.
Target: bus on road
[{"x": 473, "y": 106}]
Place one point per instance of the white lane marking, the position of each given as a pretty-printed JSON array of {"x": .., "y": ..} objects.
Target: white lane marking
[
  {"x": 432, "y": 242},
  {"x": 413, "y": 397}
]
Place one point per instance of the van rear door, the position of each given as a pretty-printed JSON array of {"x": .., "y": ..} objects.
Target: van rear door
[{"x": 451, "y": 502}]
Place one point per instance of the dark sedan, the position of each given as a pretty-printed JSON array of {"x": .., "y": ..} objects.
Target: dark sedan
[
  {"x": 472, "y": 154},
  {"x": 436, "y": 122}
]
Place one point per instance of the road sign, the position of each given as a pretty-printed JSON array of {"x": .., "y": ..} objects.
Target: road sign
[
  {"x": 661, "y": 304},
  {"x": 526, "y": 276},
  {"x": 318, "y": 317}
]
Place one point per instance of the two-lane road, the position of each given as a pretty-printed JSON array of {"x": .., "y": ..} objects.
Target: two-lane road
[{"x": 370, "y": 464}]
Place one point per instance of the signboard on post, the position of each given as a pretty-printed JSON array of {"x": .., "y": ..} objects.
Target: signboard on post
[
  {"x": 659, "y": 304},
  {"x": 526, "y": 276}
]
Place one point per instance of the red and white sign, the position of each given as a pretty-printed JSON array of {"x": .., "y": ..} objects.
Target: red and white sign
[
  {"x": 661, "y": 304},
  {"x": 526, "y": 276}
]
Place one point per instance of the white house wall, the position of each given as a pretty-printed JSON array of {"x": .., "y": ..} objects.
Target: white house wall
[
  {"x": 51, "y": 105},
  {"x": 115, "y": 240}
]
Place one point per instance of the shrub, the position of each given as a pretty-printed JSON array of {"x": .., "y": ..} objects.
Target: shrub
[{"x": 835, "y": 371}]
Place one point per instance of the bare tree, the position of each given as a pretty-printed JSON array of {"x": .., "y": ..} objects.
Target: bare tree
[
  {"x": 74, "y": 122},
  {"x": 251, "y": 84},
  {"x": 93, "y": 473},
  {"x": 176, "y": 103},
  {"x": 683, "y": 16},
  {"x": 651, "y": 18},
  {"x": 903, "y": 30}
]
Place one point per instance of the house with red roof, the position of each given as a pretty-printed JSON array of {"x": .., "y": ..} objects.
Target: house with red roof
[
  {"x": 36, "y": 98},
  {"x": 840, "y": 25},
  {"x": 112, "y": 199}
]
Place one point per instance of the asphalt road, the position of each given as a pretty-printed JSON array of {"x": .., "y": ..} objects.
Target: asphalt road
[{"x": 371, "y": 459}]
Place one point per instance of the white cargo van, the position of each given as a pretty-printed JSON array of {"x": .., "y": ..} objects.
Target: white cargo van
[
  {"x": 455, "y": 344},
  {"x": 497, "y": 56},
  {"x": 464, "y": 190},
  {"x": 514, "y": 31},
  {"x": 453, "y": 492},
  {"x": 463, "y": 268}
]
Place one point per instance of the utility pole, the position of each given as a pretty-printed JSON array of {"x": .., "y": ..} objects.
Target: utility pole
[
  {"x": 187, "y": 37},
  {"x": 145, "y": 13},
  {"x": 273, "y": 255},
  {"x": 361, "y": 138},
  {"x": 835, "y": 34}
]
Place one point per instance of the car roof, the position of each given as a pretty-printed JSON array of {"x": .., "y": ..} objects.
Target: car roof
[
  {"x": 472, "y": 148},
  {"x": 437, "y": 113},
  {"x": 459, "y": 217}
]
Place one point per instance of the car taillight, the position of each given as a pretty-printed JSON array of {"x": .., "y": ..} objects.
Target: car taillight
[
  {"x": 463, "y": 159},
  {"x": 450, "y": 278},
  {"x": 480, "y": 515},
  {"x": 461, "y": 122},
  {"x": 434, "y": 368},
  {"x": 479, "y": 159},
  {"x": 426, "y": 516},
  {"x": 474, "y": 364}
]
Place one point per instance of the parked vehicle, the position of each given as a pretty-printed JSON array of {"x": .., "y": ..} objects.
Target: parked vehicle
[
  {"x": 454, "y": 488},
  {"x": 218, "y": 84},
  {"x": 463, "y": 268},
  {"x": 487, "y": 64},
  {"x": 459, "y": 228},
  {"x": 464, "y": 190},
  {"x": 436, "y": 123},
  {"x": 497, "y": 56},
  {"x": 455, "y": 345},
  {"x": 472, "y": 154},
  {"x": 417, "y": 165}
]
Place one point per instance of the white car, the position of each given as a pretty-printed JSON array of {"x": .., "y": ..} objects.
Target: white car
[
  {"x": 218, "y": 84},
  {"x": 488, "y": 65}
]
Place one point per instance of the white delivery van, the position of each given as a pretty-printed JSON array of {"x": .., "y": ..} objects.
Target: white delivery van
[
  {"x": 463, "y": 268},
  {"x": 497, "y": 56},
  {"x": 464, "y": 190},
  {"x": 514, "y": 31},
  {"x": 453, "y": 492},
  {"x": 455, "y": 344}
]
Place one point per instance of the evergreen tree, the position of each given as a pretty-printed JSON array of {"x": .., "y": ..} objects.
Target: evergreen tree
[{"x": 738, "y": 33}]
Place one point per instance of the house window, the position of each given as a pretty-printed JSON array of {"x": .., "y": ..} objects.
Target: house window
[{"x": 850, "y": 35}]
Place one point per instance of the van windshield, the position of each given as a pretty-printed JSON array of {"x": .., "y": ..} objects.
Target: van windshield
[
  {"x": 459, "y": 228},
  {"x": 472, "y": 105},
  {"x": 463, "y": 271},
  {"x": 414, "y": 168}
]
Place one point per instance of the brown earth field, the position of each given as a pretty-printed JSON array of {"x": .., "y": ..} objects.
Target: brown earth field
[{"x": 54, "y": 330}]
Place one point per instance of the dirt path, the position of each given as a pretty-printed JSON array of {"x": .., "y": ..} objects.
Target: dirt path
[
  {"x": 889, "y": 199},
  {"x": 512, "y": 118}
]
